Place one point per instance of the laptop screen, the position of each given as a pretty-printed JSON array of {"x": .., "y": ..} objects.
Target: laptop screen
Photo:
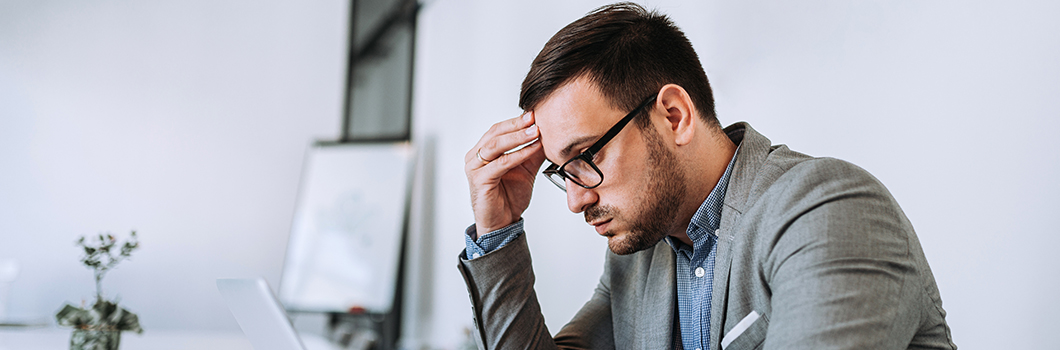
[{"x": 259, "y": 314}]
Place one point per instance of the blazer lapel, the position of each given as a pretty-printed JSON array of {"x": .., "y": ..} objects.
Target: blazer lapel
[
  {"x": 751, "y": 155},
  {"x": 657, "y": 303}
]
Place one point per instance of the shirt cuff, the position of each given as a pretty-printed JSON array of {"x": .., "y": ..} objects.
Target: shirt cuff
[{"x": 490, "y": 241}]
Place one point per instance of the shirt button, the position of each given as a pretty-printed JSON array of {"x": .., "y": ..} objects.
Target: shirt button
[
  {"x": 475, "y": 256},
  {"x": 700, "y": 272},
  {"x": 716, "y": 233}
]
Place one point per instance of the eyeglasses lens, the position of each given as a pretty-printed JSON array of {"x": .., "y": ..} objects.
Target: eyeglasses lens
[
  {"x": 558, "y": 180},
  {"x": 583, "y": 173}
]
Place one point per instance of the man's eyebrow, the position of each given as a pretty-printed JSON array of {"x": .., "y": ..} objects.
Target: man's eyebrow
[{"x": 575, "y": 143}]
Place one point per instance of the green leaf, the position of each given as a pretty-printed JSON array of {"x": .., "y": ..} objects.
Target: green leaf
[
  {"x": 71, "y": 316},
  {"x": 129, "y": 322}
]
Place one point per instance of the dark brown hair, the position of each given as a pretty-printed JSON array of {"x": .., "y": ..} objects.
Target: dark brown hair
[{"x": 628, "y": 52}]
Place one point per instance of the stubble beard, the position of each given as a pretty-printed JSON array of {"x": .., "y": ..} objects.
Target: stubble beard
[{"x": 653, "y": 217}]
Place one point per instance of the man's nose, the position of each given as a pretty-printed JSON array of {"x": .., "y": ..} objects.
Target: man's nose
[{"x": 579, "y": 198}]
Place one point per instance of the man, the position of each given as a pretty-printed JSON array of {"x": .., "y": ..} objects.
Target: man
[{"x": 717, "y": 239}]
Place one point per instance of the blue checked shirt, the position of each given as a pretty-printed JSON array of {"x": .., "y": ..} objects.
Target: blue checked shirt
[
  {"x": 695, "y": 265},
  {"x": 695, "y": 268}
]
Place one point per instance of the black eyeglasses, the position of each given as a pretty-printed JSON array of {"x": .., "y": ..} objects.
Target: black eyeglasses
[{"x": 581, "y": 170}]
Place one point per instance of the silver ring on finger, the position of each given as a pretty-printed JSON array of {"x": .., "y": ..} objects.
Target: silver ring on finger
[{"x": 479, "y": 155}]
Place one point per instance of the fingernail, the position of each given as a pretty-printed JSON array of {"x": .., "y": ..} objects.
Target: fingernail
[
  {"x": 526, "y": 116},
  {"x": 531, "y": 130}
]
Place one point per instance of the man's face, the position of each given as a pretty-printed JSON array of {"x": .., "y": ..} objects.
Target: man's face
[{"x": 636, "y": 205}]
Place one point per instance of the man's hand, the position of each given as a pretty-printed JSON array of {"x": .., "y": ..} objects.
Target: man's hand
[{"x": 501, "y": 183}]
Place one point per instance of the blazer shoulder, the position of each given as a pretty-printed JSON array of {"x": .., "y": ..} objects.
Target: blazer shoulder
[
  {"x": 796, "y": 184},
  {"x": 829, "y": 175}
]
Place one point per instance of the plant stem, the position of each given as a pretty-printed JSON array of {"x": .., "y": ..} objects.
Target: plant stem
[{"x": 99, "y": 286}]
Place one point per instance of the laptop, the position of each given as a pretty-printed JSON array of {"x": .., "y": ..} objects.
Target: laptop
[{"x": 259, "y": 314}]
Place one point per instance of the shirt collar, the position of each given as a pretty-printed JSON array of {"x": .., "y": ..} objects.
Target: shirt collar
[{"x": 707, "y": 218}]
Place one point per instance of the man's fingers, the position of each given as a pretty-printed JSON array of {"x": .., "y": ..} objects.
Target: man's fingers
[
  {"x": 482, "y": 173},
  {"x": 506, "y": 127},
  {"x": 494, "y": 148},
  {"x": 498, "y": 146},
  {"x": 506, "y": 162},
  {"x": 536, "y": 158}
]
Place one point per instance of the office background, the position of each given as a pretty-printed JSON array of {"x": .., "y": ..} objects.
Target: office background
[{"x": 188, "y": 121}]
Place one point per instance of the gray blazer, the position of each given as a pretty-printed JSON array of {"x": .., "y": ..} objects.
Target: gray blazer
[{"x": 813, "y": 253}]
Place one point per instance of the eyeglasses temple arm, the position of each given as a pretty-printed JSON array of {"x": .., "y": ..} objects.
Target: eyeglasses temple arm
[{"x": 617, "y": 128}]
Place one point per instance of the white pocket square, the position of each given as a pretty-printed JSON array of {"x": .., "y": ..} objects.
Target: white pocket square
[{"x": 739, "y": 328}]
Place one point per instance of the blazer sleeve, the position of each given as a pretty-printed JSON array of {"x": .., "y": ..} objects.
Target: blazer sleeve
[
  {"x": 506, "y": 311},
  {"x": 845, "y": 270}
]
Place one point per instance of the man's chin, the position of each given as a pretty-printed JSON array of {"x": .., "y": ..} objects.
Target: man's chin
[{"x": 626, "y": 243}]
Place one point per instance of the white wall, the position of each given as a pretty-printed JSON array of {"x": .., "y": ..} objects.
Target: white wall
[
  {"x": 184, "y": 120},
  {"x": 187, "y": 121}
]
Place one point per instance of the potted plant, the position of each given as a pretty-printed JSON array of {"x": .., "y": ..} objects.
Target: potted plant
[{"x": 99, "y": 327}]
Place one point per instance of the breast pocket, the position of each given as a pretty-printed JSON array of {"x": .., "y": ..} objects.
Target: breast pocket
[{"x": 749, "y": 333}]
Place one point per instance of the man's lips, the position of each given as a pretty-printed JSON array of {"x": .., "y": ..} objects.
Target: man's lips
[{"x": 601, "y": 226}]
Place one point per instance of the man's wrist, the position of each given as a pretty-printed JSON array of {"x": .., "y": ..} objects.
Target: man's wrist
[
  {"x": 481, "y": 231},
  {"x": 481, "y": 245}
]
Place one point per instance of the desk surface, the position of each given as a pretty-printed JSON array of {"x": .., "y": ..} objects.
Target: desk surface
[{"x": 59, "y": 339}]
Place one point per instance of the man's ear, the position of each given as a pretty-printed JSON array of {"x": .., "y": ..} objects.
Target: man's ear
[{"x": 680, "y": 112}]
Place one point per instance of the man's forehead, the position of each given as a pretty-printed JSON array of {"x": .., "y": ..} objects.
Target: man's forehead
[
  {"x": 561, "y": 133},
  {"x": 571, "y": 118}
]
